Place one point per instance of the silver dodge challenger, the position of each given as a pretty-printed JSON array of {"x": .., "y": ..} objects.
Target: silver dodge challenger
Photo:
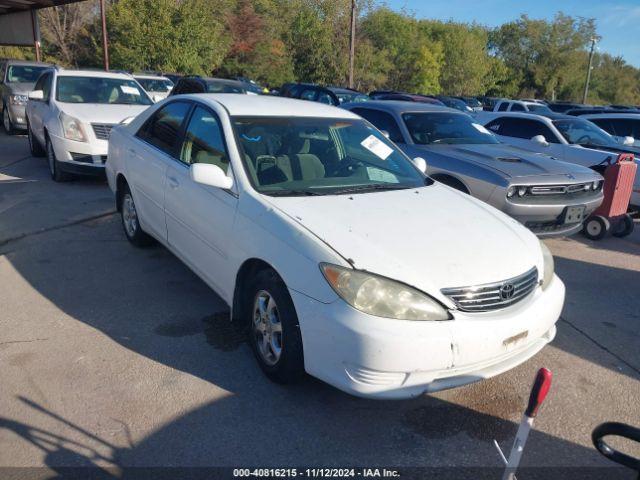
[{"x": 550, "y": 197}]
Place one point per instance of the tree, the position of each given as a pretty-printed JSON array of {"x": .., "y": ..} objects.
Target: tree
[
  {"x": 63, "y": 30},
  {"x": 168, "y": 35}
]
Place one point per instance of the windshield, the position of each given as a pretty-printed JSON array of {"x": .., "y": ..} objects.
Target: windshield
[
  {"x": 222, "y": 87},
  {"x": 583, "y": 132},
  {"x": 100, "y": 90},
  {"x": 24, "y": 73},
  {"x": 352, "y": 97},
  {"x": 445, "y": 128},
  {"x": 535, "y": 107},
  {"x": 155, "y": 84},
  {"x": 321, "y": 156}
]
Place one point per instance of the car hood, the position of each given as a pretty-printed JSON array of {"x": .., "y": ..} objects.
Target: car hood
[
  {"x": 94, "y": 113},
  {"x": 430, "y": 238},
  {"x": 20, "y": 88},
  {"x": 510, "y": 161}
]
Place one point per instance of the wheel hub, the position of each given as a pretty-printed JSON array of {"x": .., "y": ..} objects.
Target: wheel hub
[{"x": 267, "y": 328}]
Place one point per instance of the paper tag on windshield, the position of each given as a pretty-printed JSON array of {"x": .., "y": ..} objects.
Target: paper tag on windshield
[
  {"x": 378, "y": 175},
  {"x": 376, "y": 147},
  {"x": 129, "y": 90},
  {"x": 481, "y": 129}
]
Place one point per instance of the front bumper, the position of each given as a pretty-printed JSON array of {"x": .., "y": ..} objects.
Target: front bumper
[
  {"x": 17, "y": 116},
  {"x": 544, "y": 217},
  {"x": 84, "y": 158},
  {"x": 381, "y": 358}
]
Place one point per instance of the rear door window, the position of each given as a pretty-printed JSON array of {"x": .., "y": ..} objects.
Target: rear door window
[
  {"x": 163, "y": 129},
  {"x": 516, "y": 107},
  {"x": 503, "y": 106}
]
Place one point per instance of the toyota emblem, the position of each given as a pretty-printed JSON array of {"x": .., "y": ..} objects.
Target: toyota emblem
[{"x": 507, "y": 290}]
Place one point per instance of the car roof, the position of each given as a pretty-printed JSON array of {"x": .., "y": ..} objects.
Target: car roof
[
  {"x": 268, "y": 106},
  {"x": 490, "y": 116},
  {"x": 92, "y": 73},
  {"x": 26, "y": 63},
  {"x": 400, "y": 106},
  {"x": 146, "y": 76},
  {"x": 635, "y": 115}
]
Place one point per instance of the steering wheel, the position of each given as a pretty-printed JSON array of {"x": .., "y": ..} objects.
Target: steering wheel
[{"x": 347, "y": 167}]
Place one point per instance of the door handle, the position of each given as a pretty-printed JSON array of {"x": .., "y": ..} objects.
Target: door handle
[{"x": 173, "y": 182}]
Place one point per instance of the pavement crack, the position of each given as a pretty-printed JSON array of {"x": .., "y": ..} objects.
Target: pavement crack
[
  {"x": 9, "y": 342},
  {"x": 56, "y": 227},
  {"x": 15, "y": 161},
  {"x": 600, "y": 345}
]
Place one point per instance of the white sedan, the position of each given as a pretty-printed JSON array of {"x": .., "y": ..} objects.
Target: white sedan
[
  {"x": 334, "y": 249},
  {"x": 70, "y": 114}
]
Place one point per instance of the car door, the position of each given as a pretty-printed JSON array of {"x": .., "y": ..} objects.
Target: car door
[
  {"x": 157, "y": 146},
  {"x": 200, "y": 218},
  {"x": 37, "y": 109}
]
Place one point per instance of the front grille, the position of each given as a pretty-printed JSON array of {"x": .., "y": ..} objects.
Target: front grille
[
  {"x": 102, "y": 130},
  {"x": 560, "y": 189},
  {"x": 493, "y": 296}
]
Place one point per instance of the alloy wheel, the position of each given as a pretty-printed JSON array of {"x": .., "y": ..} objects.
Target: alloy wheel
[
  {"x": 267, "y": 328},
  {"x": 129, "y": 215}
]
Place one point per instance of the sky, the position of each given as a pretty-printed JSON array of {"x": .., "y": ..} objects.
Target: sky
[{"x": 618, "y": 21}]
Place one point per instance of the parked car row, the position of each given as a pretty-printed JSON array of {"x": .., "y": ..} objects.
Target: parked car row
[{"x": 278, "y": 206}]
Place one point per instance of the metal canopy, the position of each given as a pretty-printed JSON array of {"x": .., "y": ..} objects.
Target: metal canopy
[
  {"x": 11, "y": 6},
  {"x": 19, "y": 23}
]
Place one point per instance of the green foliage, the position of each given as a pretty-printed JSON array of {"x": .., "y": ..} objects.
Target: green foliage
[
  {"x": 276, "y": 41},
  {"x": 166, "y": 35}
]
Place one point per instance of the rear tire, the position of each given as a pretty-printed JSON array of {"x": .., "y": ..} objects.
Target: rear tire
[
  {"x": 274, "y": 331},
  {"x": 130, "y": 224},
  {"x": 624, "y": 227},
  {"x": 34, "y": 144},
  {"x": 54, "y": 166},
  {"x": 595, "y": 228}
]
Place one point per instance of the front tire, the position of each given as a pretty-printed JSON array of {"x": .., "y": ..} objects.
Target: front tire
[
  {"x": 6, "y": 121},
  {"x": 130, "y": 224},
  {"x": 54, "y": 166},
  {"x": 274, "y": 331}
]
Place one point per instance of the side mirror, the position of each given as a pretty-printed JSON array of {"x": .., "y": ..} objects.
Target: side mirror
[
  {"x": 36, "y": 95},
  {"x": 421, "y": 163},
  {"x": 628, "y": 141},
  {"x": 540, "y": 140},
  {"x": 211, "y": 175}
]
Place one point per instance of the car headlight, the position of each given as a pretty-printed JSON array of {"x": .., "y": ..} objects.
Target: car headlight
[
  {"x": 381, "y": 296},
  {"x": 72, "y": 128},
  {"x": 549, "y": 266},
  {"x": 511, "y": 191},
  {"x": 18, "y": 99}
]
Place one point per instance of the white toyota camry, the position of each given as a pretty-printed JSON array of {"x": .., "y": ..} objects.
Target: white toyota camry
[{"x": 333, "y": 248}]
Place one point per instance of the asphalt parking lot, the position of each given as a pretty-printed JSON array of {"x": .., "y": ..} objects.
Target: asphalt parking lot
[{"x": 114, "y": 356}]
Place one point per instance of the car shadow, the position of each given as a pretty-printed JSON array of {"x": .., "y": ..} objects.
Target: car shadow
[{"x": 190, "y": 447}]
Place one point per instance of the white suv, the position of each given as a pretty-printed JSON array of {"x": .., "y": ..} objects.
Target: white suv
[{"x": 70, "y": 114}]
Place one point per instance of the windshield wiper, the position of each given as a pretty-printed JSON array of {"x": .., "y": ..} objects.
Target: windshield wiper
[
  {"x": 293, "y": 193},
  {"x": 365, "y": 188}
]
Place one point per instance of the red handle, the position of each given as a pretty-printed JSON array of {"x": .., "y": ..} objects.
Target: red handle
[{"x": 538, "y": 392}]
